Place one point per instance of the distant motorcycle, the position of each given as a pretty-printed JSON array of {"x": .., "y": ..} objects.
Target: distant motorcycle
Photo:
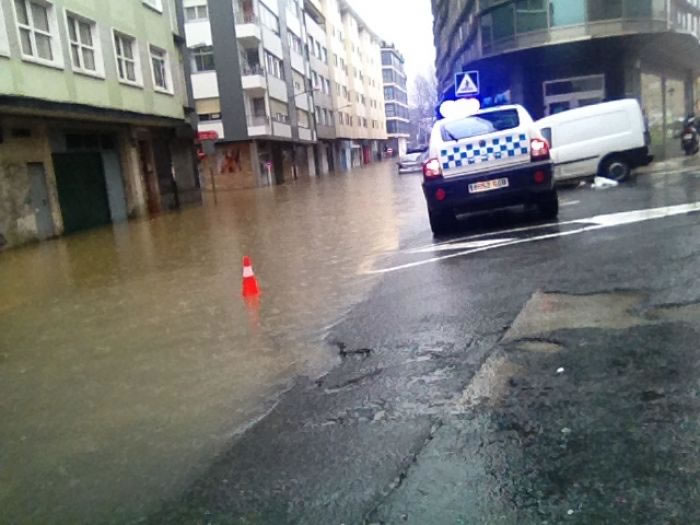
[{"x": 690, "y": 140}]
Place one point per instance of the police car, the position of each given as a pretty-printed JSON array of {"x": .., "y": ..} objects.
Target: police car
[{"x": 489, "y": 158}]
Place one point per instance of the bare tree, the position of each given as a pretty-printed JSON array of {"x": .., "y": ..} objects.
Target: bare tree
[{"x": 424, "y": 100}]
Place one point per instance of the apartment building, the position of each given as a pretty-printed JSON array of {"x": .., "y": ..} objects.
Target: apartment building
[
  {"x": 357, "y": 92},
  {"x": 93, "y": 124},
  {"x": 319, "y": 61},
  {"x": 395, "y": 98},
  {"x": 251, "y": 86},
  {"x": 552, "y": 55}
]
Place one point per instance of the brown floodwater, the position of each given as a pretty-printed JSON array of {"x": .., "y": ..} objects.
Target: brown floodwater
[{"x": 128, "y": 359}]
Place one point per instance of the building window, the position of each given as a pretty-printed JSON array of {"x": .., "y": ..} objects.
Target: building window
[
  {"x": 4, "y": 44},
  {"x": 127, "y": 54},
  {"x": 302, "y": 118},
  {"x": 314, "y": 79},
  {"x": 566, "y": 13},
  {"x": 274, "y": 66},
  {"x": 328, "y": 87},
  {"x": 154, "y": 4},
  {"x": 324, "y": 52},
  {"x": 202, "y": 59},
  {"x": 259, "y": 107},
  {"x": 318, "y": 51},
  {"x": 295, "y": 43},
  {"x": 196, "y": 13},
  {"x": 279, "y": 111},
  {"x": 84, "y": 45},
  {"x": 269, "y": 19},
  {"x": 604, "y": 9},
  {"x": 38, "y": 33},
  {"x": 160, "y": 68}
]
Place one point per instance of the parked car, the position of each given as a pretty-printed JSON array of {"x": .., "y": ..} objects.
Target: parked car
[
  {"x": 412, "y": 160},
  {"x": 494, "y": 158},
  {"x": 608, "y": 139}
]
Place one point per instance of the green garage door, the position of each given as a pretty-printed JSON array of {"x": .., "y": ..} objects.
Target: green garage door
[{"x": 81, "y": 190}]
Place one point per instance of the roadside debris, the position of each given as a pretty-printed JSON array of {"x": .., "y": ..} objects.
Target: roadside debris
[
  {"x": 560, "y": 370},
  {"x": 601, "y": 183}
]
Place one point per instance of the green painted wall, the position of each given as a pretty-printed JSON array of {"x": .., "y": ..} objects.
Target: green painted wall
[{"x": 20, "y": 77}]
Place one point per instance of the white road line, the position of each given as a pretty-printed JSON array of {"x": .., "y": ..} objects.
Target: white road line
[
  {"x": 568, "y": 203},
  {"x": 598, "y": 222},
  {"x": 458, "y": 246}
]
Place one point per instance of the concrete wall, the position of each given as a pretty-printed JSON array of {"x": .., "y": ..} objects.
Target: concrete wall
[{"x": 17, "y": 218}]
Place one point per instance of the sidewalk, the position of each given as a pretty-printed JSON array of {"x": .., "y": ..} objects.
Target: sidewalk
[{"x": 676, "y": 164}]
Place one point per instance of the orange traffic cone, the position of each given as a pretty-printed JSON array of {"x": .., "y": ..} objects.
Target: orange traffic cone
[{"x": 250, "y": 283}]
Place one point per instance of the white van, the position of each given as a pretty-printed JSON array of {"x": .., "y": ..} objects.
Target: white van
[{"x": 608, "y": 139}]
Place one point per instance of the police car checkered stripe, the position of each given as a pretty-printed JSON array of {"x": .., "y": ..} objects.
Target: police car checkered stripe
[{"x": 495, "y": 148}]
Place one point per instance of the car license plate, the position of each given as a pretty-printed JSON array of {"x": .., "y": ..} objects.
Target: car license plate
[
  {"x": 687, "y": 136},
  {"x": 488, "y": 185}
]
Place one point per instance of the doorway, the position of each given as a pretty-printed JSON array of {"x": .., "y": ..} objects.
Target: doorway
[
  {"x": 575, "y": 92},
  {"x": 40, "y": 200},
  {"x": 82, "y": 191}
]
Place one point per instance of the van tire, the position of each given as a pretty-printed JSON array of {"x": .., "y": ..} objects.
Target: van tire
[
  {"x": 549, "y": 206},
  {"x": 615, "y": 167},
  {"x": 442, "y": 222}
]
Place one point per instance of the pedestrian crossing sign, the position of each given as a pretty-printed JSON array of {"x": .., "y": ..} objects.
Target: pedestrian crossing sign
[{"x": 467, "y": 83}]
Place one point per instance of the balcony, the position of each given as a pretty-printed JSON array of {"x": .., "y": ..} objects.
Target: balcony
[
  {"x": 305, "y": 134},
  {"x": 259, "y": 126},
  {"x": 247, "y": 28},
  {"x": 253, "y": 79}
]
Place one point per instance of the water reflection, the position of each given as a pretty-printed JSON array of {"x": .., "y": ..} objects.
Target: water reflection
[{"x": 128, "y": 358}]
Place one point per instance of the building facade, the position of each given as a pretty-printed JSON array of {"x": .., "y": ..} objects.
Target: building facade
[
  {"x": 552, "y": 55},
  {"x": 322, "y": 83},
  {"x": 250, "y": 82},
  {"x": 282, "y": 85},
  {"x": 93, "y": 107},
  {"x": 359, "y": 75},
  {"x": 395, "y": 99}
]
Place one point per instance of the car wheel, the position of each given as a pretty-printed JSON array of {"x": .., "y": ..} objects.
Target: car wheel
[
  {"x": 549, "y": 206},
  {"x": 442, "y": 222},
  {"x": 616, "y": 168}
]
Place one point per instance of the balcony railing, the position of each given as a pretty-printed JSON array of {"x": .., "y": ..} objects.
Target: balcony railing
[
  {"x": 256, "y": 69},
  {"x": 258, "y": 120},
  {"x": 245, "y": 17}
]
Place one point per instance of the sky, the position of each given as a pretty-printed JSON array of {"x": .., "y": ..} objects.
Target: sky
[{"x": 406, "y": 23}]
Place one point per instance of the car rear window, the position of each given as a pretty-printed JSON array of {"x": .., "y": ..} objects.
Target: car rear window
[{"x": 480, "y": 124}]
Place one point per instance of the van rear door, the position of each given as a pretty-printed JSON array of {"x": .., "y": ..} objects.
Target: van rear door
[{"x": 483, "y": 142}]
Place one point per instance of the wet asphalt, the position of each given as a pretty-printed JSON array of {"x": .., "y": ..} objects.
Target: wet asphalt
[
  {"x": 383, "y": 376},
  {"x": 552, "y": 381}
]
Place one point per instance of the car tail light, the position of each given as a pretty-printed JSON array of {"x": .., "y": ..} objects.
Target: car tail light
[
  {"x": 540, "y": 177},
  {"x": 539, "y": 149},
  {"x": 440, "y": 194},
  {"x": 432, "y": 169}
]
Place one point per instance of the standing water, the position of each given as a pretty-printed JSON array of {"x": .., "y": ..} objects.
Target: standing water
[{"x": 128, "y": 359}]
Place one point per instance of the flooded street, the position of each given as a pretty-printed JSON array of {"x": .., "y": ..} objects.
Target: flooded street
[{"x": 128, "y": 359}]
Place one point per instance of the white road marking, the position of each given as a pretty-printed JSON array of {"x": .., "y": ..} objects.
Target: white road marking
[
  {"x": 458, "y": 246},
  {"x": 598, "y": 222},
  {"x": 568, "y": 203}
]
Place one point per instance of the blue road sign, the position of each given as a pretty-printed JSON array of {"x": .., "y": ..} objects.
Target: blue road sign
[{"x": 467, "y": 84}]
